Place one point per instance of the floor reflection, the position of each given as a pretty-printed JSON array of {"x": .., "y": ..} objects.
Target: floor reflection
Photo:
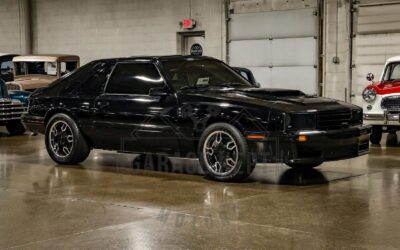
[{"x": 302, "y": 177}]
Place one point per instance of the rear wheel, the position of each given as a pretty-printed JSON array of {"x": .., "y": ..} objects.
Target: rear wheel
[
  {"x": 224, "y": 153},
  {"x": 15, "y": 128},
  {"x": 376, "y": 135},
  {"x": 304, "y": 166},
  {"x": 64, "y": 141}
]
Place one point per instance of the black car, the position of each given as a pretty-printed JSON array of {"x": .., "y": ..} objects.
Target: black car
[{"x": 191, "y": 107}]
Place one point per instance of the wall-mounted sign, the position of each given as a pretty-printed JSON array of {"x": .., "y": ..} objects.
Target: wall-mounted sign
[
  {"x": 196, "y": 50},
  {"x": 189, "y": 24}
]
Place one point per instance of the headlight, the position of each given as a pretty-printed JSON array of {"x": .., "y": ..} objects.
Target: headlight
[{"x": 369, "y": 95}]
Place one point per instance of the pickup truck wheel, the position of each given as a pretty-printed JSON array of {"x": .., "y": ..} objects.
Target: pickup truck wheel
[
  {"x": 304, "y": 166},
  {"x": 224, "y": 153},
  {"x": 15, "y": 128},
  {"x": 64, "y": 141},
  {"x": 376, "y": 135}
]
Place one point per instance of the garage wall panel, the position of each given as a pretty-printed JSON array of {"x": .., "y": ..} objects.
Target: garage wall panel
[
  {"x": 281, "y": 47},
  {"x": 252, "y": 53},
  {"x": 101, "y": 28},
  {"x": 14, "y": 27},
  {"x": 294, "y": 52},
  {"x": 274, "y": 24},
  {"x": 378, "y": 19}
]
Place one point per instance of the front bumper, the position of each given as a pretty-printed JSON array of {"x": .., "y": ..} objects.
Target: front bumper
[
  {"x": 321, "y": 146},
  {"x": 385, "y": 119}
]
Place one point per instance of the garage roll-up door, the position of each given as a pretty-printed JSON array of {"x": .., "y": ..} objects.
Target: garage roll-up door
[
  {"x": 280, "y": 47},
  {"x": 377, "y": 38}
]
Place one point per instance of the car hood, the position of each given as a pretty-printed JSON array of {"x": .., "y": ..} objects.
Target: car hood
[{"x": 277, "y": 99}]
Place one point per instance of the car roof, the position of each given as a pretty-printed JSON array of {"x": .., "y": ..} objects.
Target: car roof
[
  {"x": 158, "y": 58},
  {"x": 7, "y": 54},
  {"x": 46, "y": 58},
  {"x": 394, "y": 59}
]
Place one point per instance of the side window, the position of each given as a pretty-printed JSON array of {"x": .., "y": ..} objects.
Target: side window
[
  {"x": 245, "y": 75},
  {"x": 134, "y": 78},
  {"x": 67, "y": 67},
  {"x": 69, "y": 84},
  {"x": 95, "y": 84}
]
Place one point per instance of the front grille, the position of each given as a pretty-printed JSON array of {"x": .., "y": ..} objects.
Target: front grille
[
  {"x": 335, "y": 119},
  {"x": 11, "y": 110},
  {"x": 391, "y": 103}
]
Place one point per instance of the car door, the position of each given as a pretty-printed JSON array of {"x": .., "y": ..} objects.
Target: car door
[{"x": 128, "y": 118}]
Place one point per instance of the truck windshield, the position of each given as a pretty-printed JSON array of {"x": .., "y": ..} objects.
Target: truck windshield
[
  {"x": 201, "y": 73},
  {"x": 392, "y": 72}
]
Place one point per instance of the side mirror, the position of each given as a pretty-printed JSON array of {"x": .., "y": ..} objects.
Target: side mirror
[
  {"x": 159, "y": 91},
  {"x": 370, "y": 77},
  {"x": 257, "y": 85}
]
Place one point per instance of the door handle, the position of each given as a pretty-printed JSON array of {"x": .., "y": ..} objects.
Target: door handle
[{"x": 102, "y": 105}]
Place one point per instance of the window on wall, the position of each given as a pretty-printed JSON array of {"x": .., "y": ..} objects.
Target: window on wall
[{"x": 134, "y": 78}]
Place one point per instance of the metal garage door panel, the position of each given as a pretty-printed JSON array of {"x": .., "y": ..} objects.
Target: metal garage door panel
[
  {"x": 274, "y": 24},
  {"x": 262, "y": 75},
  {"x": 294, "y": 52},
  {"x": 250, "y": 53},
  {"x": 301, "y": 78},
  {"x": 374, "y": 19}
]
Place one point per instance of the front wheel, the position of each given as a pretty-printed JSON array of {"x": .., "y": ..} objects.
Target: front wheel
[
  {"x": 15, "y": 128},
  {"x": 64, "y": 141},
  {"x": 224, "y": 153},
  {"x": 304, "y": 166}
]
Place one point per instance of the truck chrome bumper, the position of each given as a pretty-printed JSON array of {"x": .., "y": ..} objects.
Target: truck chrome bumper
[{"x": 385, "y": 119}]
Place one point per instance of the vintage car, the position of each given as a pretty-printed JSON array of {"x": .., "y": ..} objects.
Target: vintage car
[
  {"x": 248, "y": 75},
  {"x": 192, "y": 107},
  {"x": 12, "y": 106},
  {"x": 382, "y": 101},
  {"x": 6, "y": 67},
  {"x": 37, "y": 71}
]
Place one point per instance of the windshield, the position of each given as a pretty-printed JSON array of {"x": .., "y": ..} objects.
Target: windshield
[
  {"x": 44, "y": 68},
  {"x": 201, "y": 73},
  {"x": 392, "y": 72}
]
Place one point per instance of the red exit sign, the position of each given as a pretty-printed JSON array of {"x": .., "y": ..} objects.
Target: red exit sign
[{"x": 189, "y": 23}]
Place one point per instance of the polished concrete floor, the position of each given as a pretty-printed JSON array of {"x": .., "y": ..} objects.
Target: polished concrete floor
[{"x": 117, "y": 201}]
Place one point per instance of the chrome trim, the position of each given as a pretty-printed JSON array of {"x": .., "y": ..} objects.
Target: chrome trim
[
  {"x": 386, "y": 117},
  {"x": 311, "y": 132}
]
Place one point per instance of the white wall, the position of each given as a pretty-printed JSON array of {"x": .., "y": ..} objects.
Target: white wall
[
  {"x": 14, "y": 27},
  {"x": 96, "y": 29},
  {"x": 336, "y": 77}
]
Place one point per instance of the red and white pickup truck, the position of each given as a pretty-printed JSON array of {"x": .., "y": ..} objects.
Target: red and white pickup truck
[{"x": 382, "y": 101}]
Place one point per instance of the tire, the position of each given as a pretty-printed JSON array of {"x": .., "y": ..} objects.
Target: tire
[
  {"x": 64, "y": 142},
  {"x": 304, "y": 166},
  {"x": 237, "y": 163},
  {"x": 15, "y": 128},
  {"x": 376, "y": 135}
]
